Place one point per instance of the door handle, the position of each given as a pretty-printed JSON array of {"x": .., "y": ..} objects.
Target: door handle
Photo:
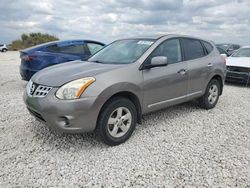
[
  {"x": 182, "y": 71},
  {"x": 210, "y": 64}
]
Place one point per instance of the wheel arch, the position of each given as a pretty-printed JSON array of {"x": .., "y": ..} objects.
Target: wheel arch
[
  {"x": 128, "y": 95},
  {"x": 220, "y": 80}
]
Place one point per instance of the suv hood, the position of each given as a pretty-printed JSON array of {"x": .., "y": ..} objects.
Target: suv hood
[{"x": 57, "y": 75}]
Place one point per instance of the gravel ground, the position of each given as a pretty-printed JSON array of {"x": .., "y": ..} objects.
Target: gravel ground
[{"x": 180, "y": 146}]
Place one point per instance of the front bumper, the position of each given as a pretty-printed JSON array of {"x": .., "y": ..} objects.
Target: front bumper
[
  {"x": 240, "y": 77},
  {"x": 70, "y": 116}
]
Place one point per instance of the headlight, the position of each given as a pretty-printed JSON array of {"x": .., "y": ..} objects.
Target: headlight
[{"x": 74, "y": 89}]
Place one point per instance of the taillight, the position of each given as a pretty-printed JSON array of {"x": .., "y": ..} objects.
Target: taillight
[{"x": 27, "y": 58}]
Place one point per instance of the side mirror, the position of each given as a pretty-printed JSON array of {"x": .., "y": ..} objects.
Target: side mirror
[{"x": 159, "y": 61}]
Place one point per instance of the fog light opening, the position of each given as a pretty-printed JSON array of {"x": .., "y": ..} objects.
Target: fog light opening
[{"x": 64, "y": 121}]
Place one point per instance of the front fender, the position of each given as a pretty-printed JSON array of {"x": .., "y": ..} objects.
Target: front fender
[{"x": 112, "y": 90}]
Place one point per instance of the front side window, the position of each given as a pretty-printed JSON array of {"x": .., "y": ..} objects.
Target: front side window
[
  {"x": 122, "y": 51},
  {"x": 192, "y": 49},
  {"x": 94, "y": 47},
  {"x": 170, "y": 49}
]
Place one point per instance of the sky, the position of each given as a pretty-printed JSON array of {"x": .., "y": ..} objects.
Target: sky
[{"x": 108, "y": 20}]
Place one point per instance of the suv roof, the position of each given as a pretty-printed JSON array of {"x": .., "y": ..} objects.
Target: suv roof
[{"x": 156, "y": 37}]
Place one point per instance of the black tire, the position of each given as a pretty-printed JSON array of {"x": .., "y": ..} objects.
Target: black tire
[
  {"x": 4, "y": 50},
  {"x": 103, "y": 128},
  {"x": 205, "y": 101}
]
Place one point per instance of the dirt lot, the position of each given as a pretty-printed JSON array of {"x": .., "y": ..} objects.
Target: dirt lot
[{"x": 180, "y": 146}]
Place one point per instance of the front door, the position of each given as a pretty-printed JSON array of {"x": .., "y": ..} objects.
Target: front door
[{"x": 165, "y": 86}]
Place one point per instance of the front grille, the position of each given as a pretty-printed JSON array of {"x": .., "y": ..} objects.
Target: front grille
[
  {"x": 41, "y": 91},
  {"x": 238, "y": 69},
  {"x": 37, "y": 115},
  {"x": 36, "y": 90}
]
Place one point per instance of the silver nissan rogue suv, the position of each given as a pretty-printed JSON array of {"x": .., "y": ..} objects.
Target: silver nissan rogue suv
[{"x": 111, "y": 91}]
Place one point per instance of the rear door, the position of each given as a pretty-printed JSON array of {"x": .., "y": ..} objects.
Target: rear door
[
  {"x": 199, "y": 65},
  {"x": 165, "y": 86}
]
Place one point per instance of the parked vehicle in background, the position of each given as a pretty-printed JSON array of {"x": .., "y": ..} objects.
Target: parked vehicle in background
[
  {"x": 238, "y": 66},
  {"x": 128, "y": 78},
  {"x": 3, "y": 48},
  {"x": 222, "y": 51},
  {"x": 41, "y": 56},
  {"x": 229, "y": 48}
]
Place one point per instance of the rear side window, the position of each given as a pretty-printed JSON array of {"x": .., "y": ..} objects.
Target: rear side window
[
  {"x": 192, "y": 49},
  {"x": 171, "y": 49},
  {"x": 94, "y": 47},
  {"x": 208, "y": 47},
  {"x": 73, "y": 49},
  {"x": 68, "y": 49},
  {"x": 53, "y": 48}
]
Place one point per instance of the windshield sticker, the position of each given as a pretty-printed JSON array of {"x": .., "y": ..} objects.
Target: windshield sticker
[{"x": 145, "y": 42}]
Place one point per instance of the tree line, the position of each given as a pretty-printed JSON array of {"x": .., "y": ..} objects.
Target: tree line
[{"x": 32, "y": 39}]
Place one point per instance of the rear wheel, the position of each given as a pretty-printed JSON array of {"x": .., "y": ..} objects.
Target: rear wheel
[
  {"x": 4, "y": 50},
  {"x": 117, "y": 121},
  {"x": 211, "y": 96}
]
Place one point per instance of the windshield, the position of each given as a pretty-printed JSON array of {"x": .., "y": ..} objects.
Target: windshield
[
  {"x": 223, "y": 46},
  {"x": 122, "y": 51},
  {"x": 243, "y": 52}
]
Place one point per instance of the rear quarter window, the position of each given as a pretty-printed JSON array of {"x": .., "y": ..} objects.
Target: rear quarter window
[
  {"x": 67, "y": 49},
  {"x": 208, "y": 47}
]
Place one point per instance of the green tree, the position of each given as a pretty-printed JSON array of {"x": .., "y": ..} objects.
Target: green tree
[{"x": 32, "y": 39}]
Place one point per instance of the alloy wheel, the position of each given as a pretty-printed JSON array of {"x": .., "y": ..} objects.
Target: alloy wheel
[
  {"x": 213, "y": 94},
  {"x": 119, "y": 122}
]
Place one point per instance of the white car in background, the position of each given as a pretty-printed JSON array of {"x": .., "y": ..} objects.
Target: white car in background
[
  {"x": 3, "y": 48},
  {"x": 238, "y": 66}
]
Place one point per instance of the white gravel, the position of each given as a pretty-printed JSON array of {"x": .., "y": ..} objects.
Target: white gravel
[{"x": 180, "y": 146}]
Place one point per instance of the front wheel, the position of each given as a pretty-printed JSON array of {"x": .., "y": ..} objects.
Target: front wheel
[
  {"x": 116, "y": 121},
  {"x": 211, "y": 96}
]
